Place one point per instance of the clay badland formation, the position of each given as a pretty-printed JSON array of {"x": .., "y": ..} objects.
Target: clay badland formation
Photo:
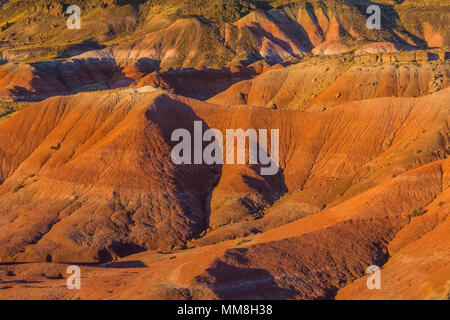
[{"x": 86, "y": 176}]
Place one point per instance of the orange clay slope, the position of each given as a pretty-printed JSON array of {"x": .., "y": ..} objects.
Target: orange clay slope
[
  {"x": 318, "y": 84},
  {"x": 89, "y": 178},
  {"x": 420, "y": 264},
  {"x": 311, "y": 258}
]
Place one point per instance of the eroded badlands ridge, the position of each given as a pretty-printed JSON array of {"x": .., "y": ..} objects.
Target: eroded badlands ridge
[
  {"x": 123, "y": 42},
  {"x": 88, "y": 177}
]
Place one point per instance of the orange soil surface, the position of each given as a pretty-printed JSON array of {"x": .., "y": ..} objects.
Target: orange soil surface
[{"x": 70, "y": 192}]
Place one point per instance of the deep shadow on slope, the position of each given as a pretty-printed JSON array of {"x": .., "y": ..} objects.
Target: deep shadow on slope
[{"x": 198, "y": 179}]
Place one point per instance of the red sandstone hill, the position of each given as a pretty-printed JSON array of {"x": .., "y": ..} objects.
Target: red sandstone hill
[
  {"x": 86, "y": 175},
  {"x": 319, "y": 84}
]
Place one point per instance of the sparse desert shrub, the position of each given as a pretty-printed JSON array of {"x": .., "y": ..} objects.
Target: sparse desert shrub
[{"x": 441, "y": 296}]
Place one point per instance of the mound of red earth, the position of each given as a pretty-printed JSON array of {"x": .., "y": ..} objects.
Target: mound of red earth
[{"x": 88, "y": 178}]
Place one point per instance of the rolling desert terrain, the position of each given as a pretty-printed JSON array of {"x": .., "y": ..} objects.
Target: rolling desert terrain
[{"x": 88, "y": 176}]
